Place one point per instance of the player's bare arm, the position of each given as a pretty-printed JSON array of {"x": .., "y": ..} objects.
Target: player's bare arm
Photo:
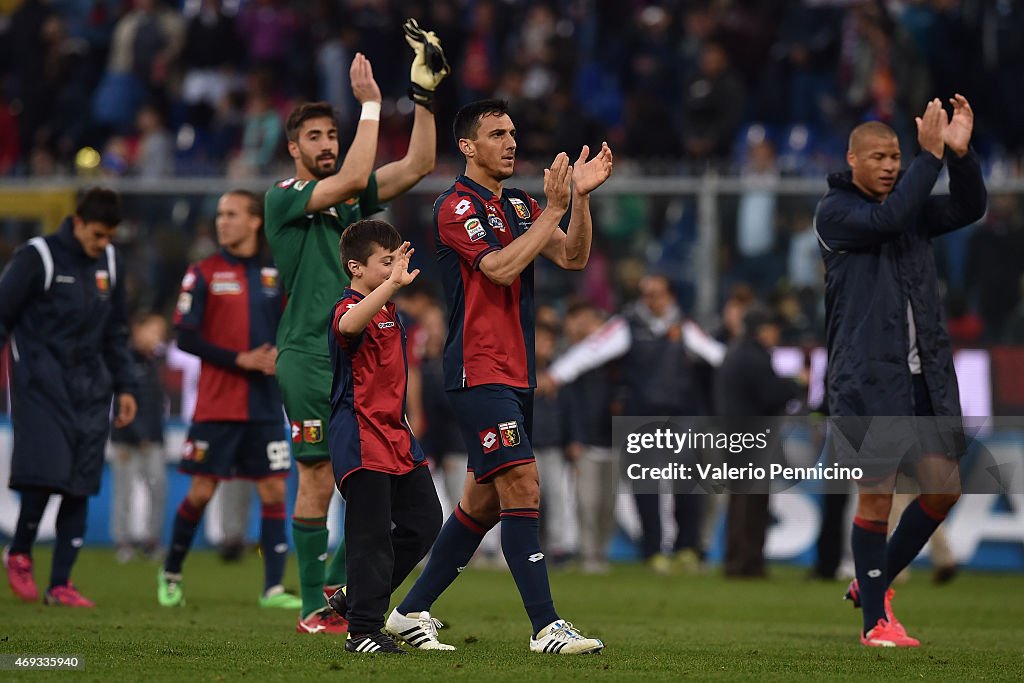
[
  {"x": 571, "y": 250},
  {"x": 502, "y": 267},
  {"x": 354, "y": 174},
  {"x": 429, "y": 67},
  {"x": 355, "y": 319}
]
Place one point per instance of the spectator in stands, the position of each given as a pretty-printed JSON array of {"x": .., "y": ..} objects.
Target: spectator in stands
[
  {"x": 155, "y": 156},
  {"x": 712, "y": 106}
]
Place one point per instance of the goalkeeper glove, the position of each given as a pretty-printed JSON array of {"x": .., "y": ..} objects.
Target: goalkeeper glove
[{"x": 429, "y": 67}]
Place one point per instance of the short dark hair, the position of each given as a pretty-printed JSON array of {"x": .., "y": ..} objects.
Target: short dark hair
[
  {"x": 306, "y": 111},
  {"x": 99, "y": 205},
  {"x": 467, "y": 121},
  {"x": 254, "y": 202},
  {"x": 360, "y": 238}
]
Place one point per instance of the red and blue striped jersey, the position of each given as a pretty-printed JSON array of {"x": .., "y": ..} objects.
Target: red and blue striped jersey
[
  {"x": 235, "y": 305},
  {"x": 368, "y": 428},
  {"x": 490, "y": 327}
]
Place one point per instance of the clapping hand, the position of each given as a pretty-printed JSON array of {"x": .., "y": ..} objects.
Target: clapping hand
[
  {"x": 587, "y": 176},
  {"x": 957, "y": 135}
]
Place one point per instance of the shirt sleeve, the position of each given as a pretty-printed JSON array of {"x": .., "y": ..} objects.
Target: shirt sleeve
[
  {"x": 115, "y": 341},
  {"x": 20, "y": 280},
  {"x": 369, "y": 201},
  {"x": 188, "y": 320},
  {"x": 347, "y": 344},
  {"x": 285, "y": 204},
  {"x": 462, "y": 225}
]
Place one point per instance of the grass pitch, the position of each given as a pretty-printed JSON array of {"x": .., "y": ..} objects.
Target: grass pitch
[{"x": 654, "y": 627}]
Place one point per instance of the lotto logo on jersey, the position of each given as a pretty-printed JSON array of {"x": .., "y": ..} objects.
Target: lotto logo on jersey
[
  {"x": 521, "y": 209},
  {"x": 509, "y": 434},
  {"x": 462, "y": 207},
  {"x": 296, "y": 431},
  {"x": 312, "y": 431},
  {"x": 489, "y": 440},
  {"x": 102, "y": 282}
]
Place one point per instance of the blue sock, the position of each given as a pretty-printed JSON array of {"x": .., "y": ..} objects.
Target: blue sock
[
  {"x": 33, "y": 505},
  {"x": 916, "y": 526},
  {"x": 520, "y": 542},
  {"x": 868, "y": 543},
  {"x": 185, "y": 523},
  {"x": 459, "y": 538},
  {"x": 70, "y": 530},
  {"x": 273, "y": 544}
]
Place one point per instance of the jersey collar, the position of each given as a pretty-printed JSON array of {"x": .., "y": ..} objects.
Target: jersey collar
[
  {"x": 476, "y": 187},
  {"x": 349, "y": 292}
]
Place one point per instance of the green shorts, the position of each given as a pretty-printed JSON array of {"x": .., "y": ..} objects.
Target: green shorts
[{"x": 305, "y": 382}]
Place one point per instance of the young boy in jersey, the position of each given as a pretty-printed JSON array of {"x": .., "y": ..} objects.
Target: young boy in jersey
[{"x": 393, "y": 514}]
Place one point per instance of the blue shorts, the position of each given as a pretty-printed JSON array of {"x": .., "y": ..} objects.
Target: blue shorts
[
  {"x": 496, "y": 421},
  {"x": 246, "y": 450}
]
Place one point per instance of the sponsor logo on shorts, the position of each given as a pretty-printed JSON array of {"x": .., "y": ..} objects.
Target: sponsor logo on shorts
[
  {"x": 509, "y": 434},
  {"x": 296, "y": 431},
  {"x": 489, "y": 440},
  {"x": 312, "y": 431},
  {"x": 195, "y": 450}
]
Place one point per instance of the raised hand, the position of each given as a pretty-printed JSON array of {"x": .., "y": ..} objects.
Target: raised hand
[
  {"x": 931, "y": 128},
  {"x": 557, "y": 182},
  {"x": 587, "y": 176},
  {"x": 400, "y": 275},
  {"x": 429, "y": 66},
  {"x": 360, "y": 74},
  {"x": 957, "y": 135}
]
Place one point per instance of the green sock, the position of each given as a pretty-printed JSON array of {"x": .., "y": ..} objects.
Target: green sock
[
  {"x": 310, "y": 537},
  {"x": 337, "y": 573}
]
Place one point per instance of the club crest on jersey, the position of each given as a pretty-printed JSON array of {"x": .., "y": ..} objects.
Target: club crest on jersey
[
  {"x": 489, "y": 440},
  {"x": 475, "y": 229},
  {"x": 102, "y": 282},
  {"x": 312, "y": 431},
  {"x": 496, "y": 223},
  {"x": 520, "y": 206},
  {"x": 296, "y": 431},
  {"x": 285, "y": 184},
  {"x": 509, "y": 434},
  {"x": 268, "y": 278},
  {"x": 299, "y": 184}
]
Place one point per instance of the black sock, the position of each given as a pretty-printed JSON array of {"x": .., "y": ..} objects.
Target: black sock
[
  {"x": 33, "y": 504},
  {"x": 520, "y": 542},
  {"x": 916, "y": 526},
  {"x": 273, "y": 544},
  {"x": 70, "y": 530},
  {"x": 868, "y": 543},
  {"x": 185, "y": 523}
]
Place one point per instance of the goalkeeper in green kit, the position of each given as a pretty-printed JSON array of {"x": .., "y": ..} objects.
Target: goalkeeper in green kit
[{"x": 305, "y": 216}]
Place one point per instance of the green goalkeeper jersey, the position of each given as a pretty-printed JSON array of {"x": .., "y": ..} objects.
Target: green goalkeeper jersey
[{"x": 305, "y": 249}]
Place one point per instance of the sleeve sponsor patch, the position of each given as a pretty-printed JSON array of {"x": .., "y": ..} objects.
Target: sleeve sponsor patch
[
  {"x": 285, "y": 184},
  {"x": 189, "y": 281},
  {"x": 475, "y": 229},
  {"x": 300, "y": 184},
  {"x": 184, "y": 303}
]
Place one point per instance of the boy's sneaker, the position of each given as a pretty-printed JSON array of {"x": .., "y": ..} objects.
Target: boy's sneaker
[
  {"x": 19, "y": 575},
  {"x": 324, "y": 620},
  {"x": 560, "y": 638},
  {"x": 168, "y": 589},
  {"x": 378, "y": 643},
  {"x": 885, "y": 634},
  {"x": 278, "y": 597},
  {"x": 418, "y": 629},
  {"x": 66, "y": 596}
]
